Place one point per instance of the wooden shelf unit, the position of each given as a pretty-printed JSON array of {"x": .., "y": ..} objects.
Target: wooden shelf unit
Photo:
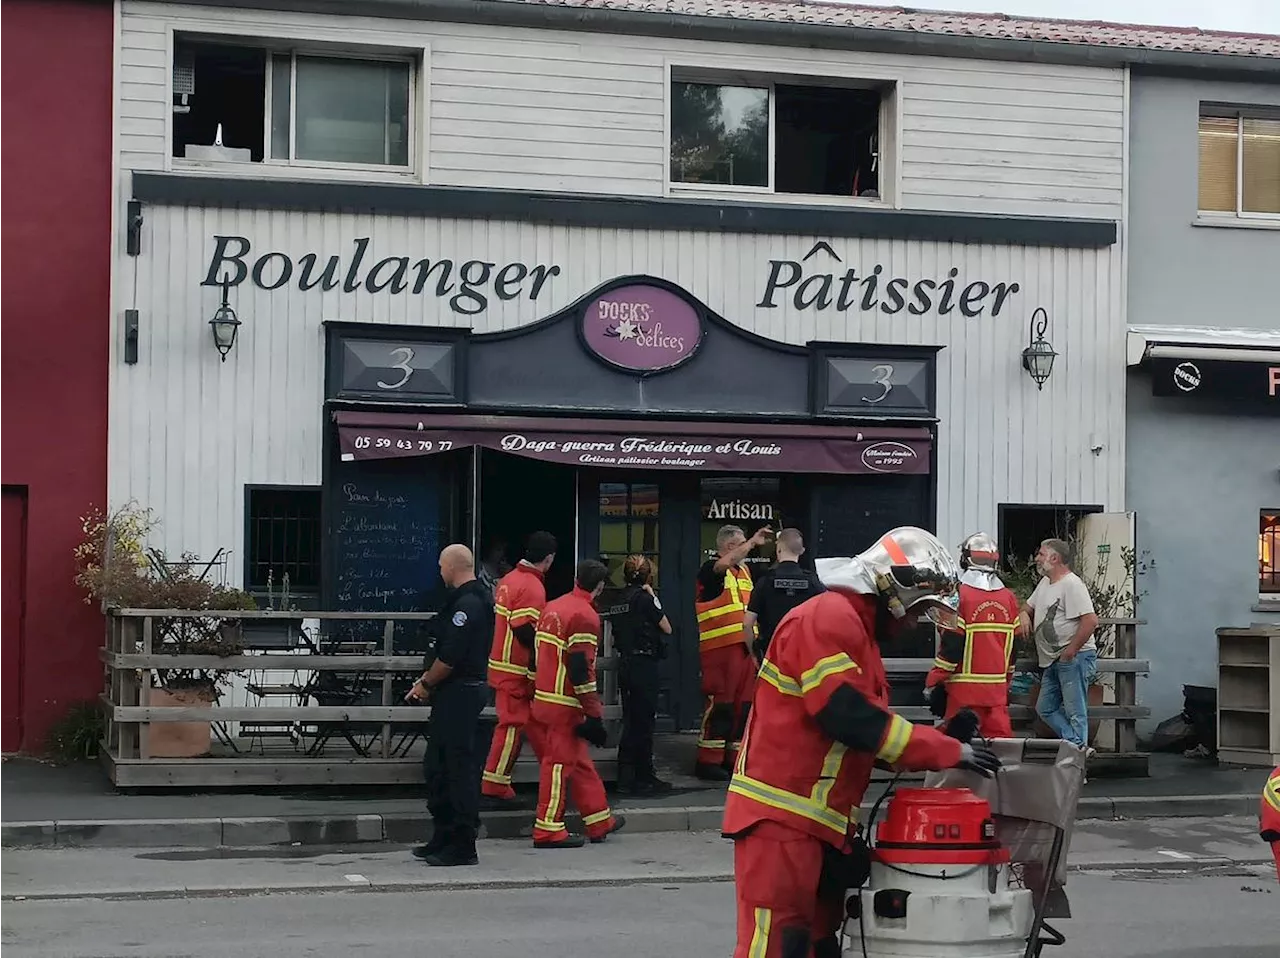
[{"x": 1249, "y": 696}]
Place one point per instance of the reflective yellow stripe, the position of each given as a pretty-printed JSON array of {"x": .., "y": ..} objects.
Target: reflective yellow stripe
[
  {"x": 501, "y": 610},
  {"x": 760, "y": 937},
  {"x": 1271, "y": 792},
  {"x": 597, "y": 818},
  {"x": 497, "y": 779},
  {"x": 778, "y": 798},
  {"x": 716, "y": 633},
  {"x": 555, "y": 699},
  {"x": 527, "y": 613},
  {"x": 508, "y": 752},
  {"x": 941, "y": 663},
  {"x": 821, "y": 793},
  {"x": 714, "y": 743},
  {"x": 584, "y": 689},
  {"x": 508, "y": 668},
  {"x": 720, "y": 610},
  {"x": 783, "y": 683},
  {"x": 549, "y": 639},
  {"x": 895, "y": 740},
  {"x": 581, "y": 638},
  {"x": 553, "y": 822},
  {"x": 824, "y": 668},
  {"x": 970, "y": 678}
]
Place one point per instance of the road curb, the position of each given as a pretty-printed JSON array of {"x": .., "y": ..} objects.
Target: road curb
[{"x": 405, "y": 828}]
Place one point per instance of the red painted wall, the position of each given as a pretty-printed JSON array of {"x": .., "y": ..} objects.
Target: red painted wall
[{"x": 55, "y": 174}]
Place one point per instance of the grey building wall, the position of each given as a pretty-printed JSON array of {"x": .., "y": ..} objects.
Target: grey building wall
[{"x": 1196, "y": 473}]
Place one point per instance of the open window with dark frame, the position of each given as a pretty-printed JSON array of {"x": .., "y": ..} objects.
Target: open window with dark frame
[
  {"x": 282, "y": 106},
  {"x": 1269, "y": 553},
  {"x": 824, "y": 140},
  {"x": 1023, "y": 527},
  {"x": 282, "y": 541}
]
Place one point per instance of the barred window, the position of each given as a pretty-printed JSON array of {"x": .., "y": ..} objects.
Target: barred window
[{"x": 283, "y": 539}]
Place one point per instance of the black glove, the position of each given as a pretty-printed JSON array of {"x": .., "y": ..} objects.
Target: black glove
[
  {"x": 757, "y": 649},
  {"x": 938, "y": 700},
  {"x": 593, "y": 731},
  {"x": 964, "y": 725},
  {"x": 1270, "y": 835},
  {"x": 980, "y": 759}
]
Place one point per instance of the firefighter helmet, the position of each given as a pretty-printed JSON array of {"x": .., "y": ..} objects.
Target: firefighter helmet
[
  {"x": 908, "y": 567},
  {"x": 979, "y": 551}
]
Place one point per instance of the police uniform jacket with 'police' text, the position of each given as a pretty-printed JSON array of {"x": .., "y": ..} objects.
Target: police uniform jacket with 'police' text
[{"x": 819, "y": 721}]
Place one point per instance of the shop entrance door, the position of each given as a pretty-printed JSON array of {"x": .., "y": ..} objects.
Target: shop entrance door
[
  {"x": 519, "y": 496},
  {"x": 654, "y": 515},
  {"x": 13, "y": 512}
]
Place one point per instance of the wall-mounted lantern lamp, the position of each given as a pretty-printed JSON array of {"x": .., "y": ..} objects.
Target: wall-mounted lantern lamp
[
  {"x": 1038, "y": 357},
  {"x": 224, "y": 324}
]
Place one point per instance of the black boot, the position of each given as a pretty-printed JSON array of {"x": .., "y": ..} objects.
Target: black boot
[
  {"x": 461, "y": 850},
  {"x": 440, "y": 837},
  {"x": 649, "y": 784},
  {"x": 628, "y": 781},
  {"x": 712, "y": 773}
]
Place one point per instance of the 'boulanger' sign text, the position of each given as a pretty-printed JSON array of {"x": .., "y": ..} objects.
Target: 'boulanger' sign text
[{"x": 471, "y": 283}]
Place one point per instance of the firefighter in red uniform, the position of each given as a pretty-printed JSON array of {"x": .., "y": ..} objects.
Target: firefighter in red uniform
[
  {"x": 1269, "y": 817},
  {"x": 819, "y": 722},
  {"x": 518, "y": 601},
  {"x": 728, "y": 664},
  {"x": 975, "y": 661},
  {"x": 567, "y": 706}
]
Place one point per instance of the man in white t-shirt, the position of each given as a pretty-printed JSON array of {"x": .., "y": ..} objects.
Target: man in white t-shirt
[{"x": 1063, "y": 622}]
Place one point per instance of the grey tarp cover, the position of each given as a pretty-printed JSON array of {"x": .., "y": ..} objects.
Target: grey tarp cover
[{"x": 1034, "y": 795}]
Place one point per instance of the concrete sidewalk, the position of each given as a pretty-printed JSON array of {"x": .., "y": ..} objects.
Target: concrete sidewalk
[
  {"x": 75, "y": 805},
  {"x": 666, "y": 859}
]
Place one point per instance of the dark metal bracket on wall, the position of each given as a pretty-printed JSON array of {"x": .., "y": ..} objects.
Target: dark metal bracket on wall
[{"x": 133, "y": 228}]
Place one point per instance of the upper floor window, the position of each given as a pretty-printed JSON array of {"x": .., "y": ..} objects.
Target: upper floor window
[
  {"x": 1239, "y": 162},
  {"x": 286, "y": 107},
  {"x": 777, "y": 137}
]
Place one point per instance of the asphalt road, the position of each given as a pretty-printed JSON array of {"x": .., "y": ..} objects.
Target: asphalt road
[{"x": 1139, "y": 915}]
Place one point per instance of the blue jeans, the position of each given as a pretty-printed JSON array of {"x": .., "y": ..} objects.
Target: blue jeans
[{"x": 1064, "y": 696}]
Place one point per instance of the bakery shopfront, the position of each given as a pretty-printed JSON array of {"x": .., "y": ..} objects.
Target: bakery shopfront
[
  {"x": 635, "y": 420},
  {"x": 399, "y": 381}
]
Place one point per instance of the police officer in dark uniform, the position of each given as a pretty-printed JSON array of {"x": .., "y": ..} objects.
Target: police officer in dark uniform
[
  {"x": 454, "y": 685},
  {"x": 638, "y": 627},
  {"x": 779, "y": 591}
]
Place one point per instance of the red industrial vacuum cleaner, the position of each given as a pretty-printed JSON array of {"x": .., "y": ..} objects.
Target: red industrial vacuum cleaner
[{"x": 968, "y": 867}]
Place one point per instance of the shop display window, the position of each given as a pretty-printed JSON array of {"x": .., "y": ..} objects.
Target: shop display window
[
  {"x": 1269, "y": 553},
  {"x": 628, "y": 526},
  {"x": 748, "y": 503}
]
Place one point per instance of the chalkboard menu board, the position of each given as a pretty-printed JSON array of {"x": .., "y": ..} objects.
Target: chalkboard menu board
[{"x": 386, "y": 535}]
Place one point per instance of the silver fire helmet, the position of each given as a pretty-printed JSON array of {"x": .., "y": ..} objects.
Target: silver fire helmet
[
  {"x": 980, "y": 560},
  {"x": 909, "y": 567}
]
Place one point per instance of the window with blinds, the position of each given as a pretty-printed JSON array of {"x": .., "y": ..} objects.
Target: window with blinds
[{"x": 1239, "y": 164}]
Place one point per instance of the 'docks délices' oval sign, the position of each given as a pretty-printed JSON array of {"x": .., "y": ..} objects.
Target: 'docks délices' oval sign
[{"x": 641, "y": 328}]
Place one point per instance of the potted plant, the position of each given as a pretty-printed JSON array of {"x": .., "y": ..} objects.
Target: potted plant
[{"x": 119, "y": 572}]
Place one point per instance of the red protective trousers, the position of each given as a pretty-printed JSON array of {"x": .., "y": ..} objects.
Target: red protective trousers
[
  {"x": 993, "y": 719},
  {"x": 512, "y": 703},
  {"x": 728, "y": 679},
  {"x": 776, "y": 870},
  {"x": 568, "y": 772}
]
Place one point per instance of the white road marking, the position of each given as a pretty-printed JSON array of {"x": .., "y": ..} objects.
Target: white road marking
[
  {"x": 1173, "y": 854},
  {"x": 356, "y": 879}
]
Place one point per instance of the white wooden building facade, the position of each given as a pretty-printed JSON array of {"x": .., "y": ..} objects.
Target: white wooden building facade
[{"x": 536, "y": 161}]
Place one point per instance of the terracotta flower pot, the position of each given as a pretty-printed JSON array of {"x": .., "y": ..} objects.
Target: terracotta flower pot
[{"x": 179, "y": 739}]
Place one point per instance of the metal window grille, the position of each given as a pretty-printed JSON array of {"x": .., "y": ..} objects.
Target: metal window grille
[{"x": 284, "y": 539}]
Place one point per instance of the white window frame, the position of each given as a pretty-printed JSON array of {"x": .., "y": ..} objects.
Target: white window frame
[
  {"x": 378, "y": 48},
  {"x": 724, "y": 74},
  {"x": 1241, "y": 216}
]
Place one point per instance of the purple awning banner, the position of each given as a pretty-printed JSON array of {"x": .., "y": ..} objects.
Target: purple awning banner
[{"x": 691, "y": 447}]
